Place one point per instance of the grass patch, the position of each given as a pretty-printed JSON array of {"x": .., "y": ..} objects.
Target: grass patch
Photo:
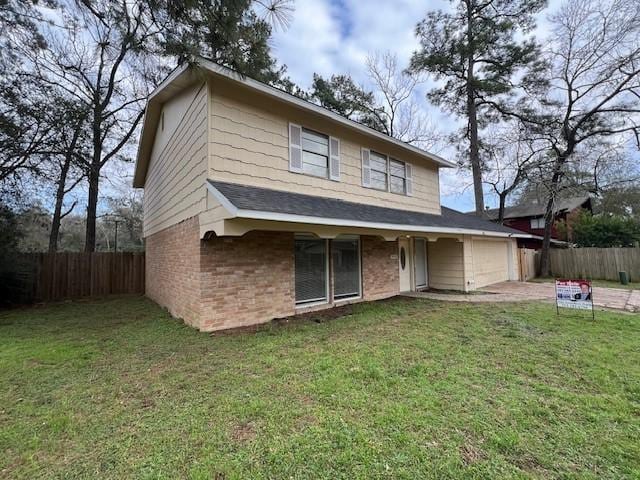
[
  {"x": 396, "y": 389},
  {"x": 596, "y": 283}
]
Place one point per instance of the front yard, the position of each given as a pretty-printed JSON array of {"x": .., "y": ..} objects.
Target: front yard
[{"x": 397, "y": 389}]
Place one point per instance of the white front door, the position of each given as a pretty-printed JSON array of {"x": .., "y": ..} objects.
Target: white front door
[
  {"x": 420, "y": 248},
  {"x": 404, "y": 264}
]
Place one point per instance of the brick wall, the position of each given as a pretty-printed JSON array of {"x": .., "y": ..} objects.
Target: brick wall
[
  {"x": 232, "y": 282},
  {"x": 173, "y": 270},
  {"x": 247, "y": 280},
  {"x": 380, "y": 273}
]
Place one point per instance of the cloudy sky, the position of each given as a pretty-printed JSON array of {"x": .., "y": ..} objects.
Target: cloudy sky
[{"x": 335, "y": 36}]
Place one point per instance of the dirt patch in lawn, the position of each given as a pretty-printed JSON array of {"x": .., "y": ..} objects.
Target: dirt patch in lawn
[
  {"x": 471, "y": 454},
  {"x": 319, "y": 316},
  {"x": 245, "y": 432}
]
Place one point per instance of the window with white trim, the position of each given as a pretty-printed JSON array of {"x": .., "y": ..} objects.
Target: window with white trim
[
  {"x": 378, "y": 166},
  {"x": 537, "y": 223},
  {"x": 315, "y": 153},
  {"x": 386, "y": 173},
  {"x": 397, "y": 177}
]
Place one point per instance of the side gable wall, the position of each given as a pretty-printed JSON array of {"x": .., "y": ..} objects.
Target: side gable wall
[{"x": 175, "y": 189}]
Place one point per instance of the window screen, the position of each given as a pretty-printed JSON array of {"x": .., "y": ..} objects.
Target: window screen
[
  {"x": 378, "y": 166},
  {"x": 311, "y": 270},
  {"x": 346, "y": 268},
  {"x": 315, "y": 153},
  {"x": 397, "y": 177}
]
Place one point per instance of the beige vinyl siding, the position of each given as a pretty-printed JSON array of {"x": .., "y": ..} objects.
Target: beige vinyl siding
[
  {"x": 249, "y": 145},
  {"x": 445, "y": 264},
  {"x": 175, "y": 185},
  {"x": 490, "y": 261},
  {"x": 209, "y": 220}
]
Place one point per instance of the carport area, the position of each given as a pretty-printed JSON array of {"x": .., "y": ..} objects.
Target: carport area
[{"x": 511, "y": 291}]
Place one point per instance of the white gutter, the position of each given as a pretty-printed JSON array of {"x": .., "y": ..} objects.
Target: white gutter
[{"x": 338, "y": 222}]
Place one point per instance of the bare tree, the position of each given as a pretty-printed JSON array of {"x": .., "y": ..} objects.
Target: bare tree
[
  {"x": 95, "y": 57},
  {"x": 400, "y": 114},
  {"x": 67, "y": 161},
  {"x": 595, "y": 85},
  {"x": 511, "y": 154}
]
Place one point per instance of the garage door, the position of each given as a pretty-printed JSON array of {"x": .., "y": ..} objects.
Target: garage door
[{"x": 490, "y": 262}]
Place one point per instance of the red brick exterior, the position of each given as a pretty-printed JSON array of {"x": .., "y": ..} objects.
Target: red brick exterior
[
  {"x": 380, "y": 271},
  {"x": 247, "y": 280},
  {"x": 229, "y": 282},
  {"x": 173, "y": 270}
]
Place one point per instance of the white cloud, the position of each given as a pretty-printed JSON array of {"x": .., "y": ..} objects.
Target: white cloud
[{"x": 335, "y": 36}]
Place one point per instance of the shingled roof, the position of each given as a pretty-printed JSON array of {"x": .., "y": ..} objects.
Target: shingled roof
[
  {"x": 532, "y": 209},
  {"x": 255, "y": 199}
]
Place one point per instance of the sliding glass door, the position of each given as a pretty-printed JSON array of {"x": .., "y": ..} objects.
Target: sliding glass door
[
  {"x": 346, "y": 268},
  {"x": 312, "y": 269}
]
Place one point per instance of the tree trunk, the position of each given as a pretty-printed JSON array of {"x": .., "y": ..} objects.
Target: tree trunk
[
  {"x": 503, "y": 200},
  {"x": 472, "y": 113},
  {"x": 93, "y": 177},
  {"x": 57, "y": 211},
  {"x": 92, "y": 208},
  {"x": 545, "y": 266}
]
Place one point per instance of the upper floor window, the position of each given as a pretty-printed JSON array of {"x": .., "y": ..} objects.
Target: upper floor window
[
  {"x": 537, "y": 223},
  {"x": 384, "y": 173},
  {"x": 378, "y": 166},
  {"x": 315, "y": 153},
  {"x": 397, "y": 177}
]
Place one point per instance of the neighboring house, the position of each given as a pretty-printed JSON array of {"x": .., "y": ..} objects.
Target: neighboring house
[
  {"x": 529, "y": 218},
  {"x": 259, "y": 205}
]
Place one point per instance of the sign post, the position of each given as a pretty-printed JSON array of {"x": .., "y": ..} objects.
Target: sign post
[{"x": 574, "y": 294}]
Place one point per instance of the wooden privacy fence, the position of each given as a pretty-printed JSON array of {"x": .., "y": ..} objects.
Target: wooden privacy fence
[
  {"x": 528, "y": 260},
  {"x": 45, "y": 277},
  {"x": 597, "y": 263}
]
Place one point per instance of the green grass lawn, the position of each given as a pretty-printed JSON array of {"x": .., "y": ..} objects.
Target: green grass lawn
[
  {"x": 595, "y": 283},
  {"x": 397, "y": 389}
]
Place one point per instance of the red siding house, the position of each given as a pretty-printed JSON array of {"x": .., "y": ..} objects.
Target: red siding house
[{"x": 529, "y": 218}]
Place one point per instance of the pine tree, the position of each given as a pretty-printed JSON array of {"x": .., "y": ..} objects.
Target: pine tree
[{"x": 475, "y": 51}]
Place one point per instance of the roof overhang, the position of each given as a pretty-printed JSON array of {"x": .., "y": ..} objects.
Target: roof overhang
[
  {"x": 240, "y": 213},
  {"x": 187, "y": 74}
]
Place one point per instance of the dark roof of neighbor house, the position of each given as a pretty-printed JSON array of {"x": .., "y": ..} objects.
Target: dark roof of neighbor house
[
  {"x": 532, "y": 209},
  {"x": 245, "y": 197}
]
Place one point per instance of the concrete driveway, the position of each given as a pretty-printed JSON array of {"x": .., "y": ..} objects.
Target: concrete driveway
[{"x": 614, "y": 298}]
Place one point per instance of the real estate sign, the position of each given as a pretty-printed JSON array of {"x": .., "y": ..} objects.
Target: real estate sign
[{"x": 576, "y": 294}]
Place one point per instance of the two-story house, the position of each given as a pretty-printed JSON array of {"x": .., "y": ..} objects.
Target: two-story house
[
  {"x": 529, "y": 218},
  {"x": 259, "y": 205}
]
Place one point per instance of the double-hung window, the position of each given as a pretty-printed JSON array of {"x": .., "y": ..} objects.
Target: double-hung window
[
  {"x": 378, "y": 166},
  {"x": 385, "y": 173},
  {"x": 397, "y": 177},
  {"x": 315, "y": 153}
]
